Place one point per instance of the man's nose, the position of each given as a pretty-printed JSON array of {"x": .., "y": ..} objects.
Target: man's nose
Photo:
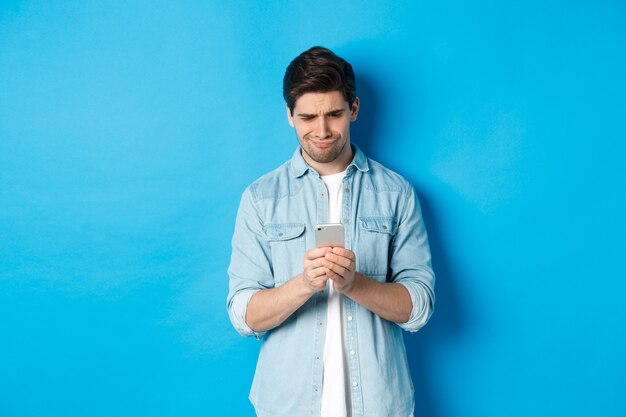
[{"x": 322, "y": 128}]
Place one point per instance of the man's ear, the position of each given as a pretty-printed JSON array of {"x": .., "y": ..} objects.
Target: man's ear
[
  {"x": 354, "y": 111},
  {"x": 289, "y": 115}
]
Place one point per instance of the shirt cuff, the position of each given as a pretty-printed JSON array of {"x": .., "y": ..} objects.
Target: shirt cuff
[
  {"x": 423, "y": 305},
  {"x": 237, "y": 312}
]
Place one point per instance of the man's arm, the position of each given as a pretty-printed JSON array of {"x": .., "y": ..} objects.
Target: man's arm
[
  {"x": 250, "y": 265},
  {"x": 269, "y": 308},
  {"x": 389, "y": 300},
  {"x": 409, "y": 298}
]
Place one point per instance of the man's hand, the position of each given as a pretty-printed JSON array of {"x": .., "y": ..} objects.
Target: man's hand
[
  {"x": 340, "y": 265},
  {"x": 315, "y": 274}
]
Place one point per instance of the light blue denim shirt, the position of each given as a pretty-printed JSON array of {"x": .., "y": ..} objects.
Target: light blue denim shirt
[{"x": 384, "y": 227}]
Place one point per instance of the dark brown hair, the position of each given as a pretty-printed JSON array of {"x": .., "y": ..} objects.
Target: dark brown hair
[{"x": 318, "y": 70}]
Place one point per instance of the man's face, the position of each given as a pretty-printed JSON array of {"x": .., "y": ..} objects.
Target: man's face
[{"x": 322, "y": 123}]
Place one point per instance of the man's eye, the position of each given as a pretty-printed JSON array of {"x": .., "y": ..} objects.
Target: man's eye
[
  {"x": 335, "y": 115},
  {"x": 307, "y": 118}
]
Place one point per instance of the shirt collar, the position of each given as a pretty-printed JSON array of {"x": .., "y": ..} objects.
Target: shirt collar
[{"x": 299, "y": 167}]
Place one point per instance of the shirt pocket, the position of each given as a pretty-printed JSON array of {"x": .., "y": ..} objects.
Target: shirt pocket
[
  {"x": 287, "y": 245},
  {"x": 374, "y": 243}
]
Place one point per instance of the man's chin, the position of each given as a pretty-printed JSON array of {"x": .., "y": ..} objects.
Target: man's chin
[{"x": 324, "y": 157}]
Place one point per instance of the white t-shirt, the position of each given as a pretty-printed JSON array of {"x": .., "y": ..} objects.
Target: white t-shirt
[{"x": 335, "y": 388}]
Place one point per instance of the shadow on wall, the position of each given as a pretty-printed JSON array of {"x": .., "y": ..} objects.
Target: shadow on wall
[
  {"x": 446, "y": 324},
  {"x": 361, "y": 131}
]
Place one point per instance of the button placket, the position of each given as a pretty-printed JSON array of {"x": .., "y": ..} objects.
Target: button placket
[
  {"x": 322, "y": 201},
  {"x": 353, "y": 361},
  {"x": 319, "y": 331},
  {"x": 356, "y": 397}
]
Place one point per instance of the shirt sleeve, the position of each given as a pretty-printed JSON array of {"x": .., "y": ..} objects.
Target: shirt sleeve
[
  {"x": 250, "y": 264},
  {"x": 411, "y": 262}
]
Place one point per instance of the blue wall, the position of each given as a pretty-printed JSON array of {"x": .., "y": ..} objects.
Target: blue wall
[{"x": 128, "y": 131}]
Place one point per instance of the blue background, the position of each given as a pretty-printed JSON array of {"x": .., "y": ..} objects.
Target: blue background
[{"x": 128, "y": 131}]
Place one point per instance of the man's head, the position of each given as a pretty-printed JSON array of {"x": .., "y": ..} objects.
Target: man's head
[
  {"x": 319, "y": 89},
  {"x": 318, "y": 70}
]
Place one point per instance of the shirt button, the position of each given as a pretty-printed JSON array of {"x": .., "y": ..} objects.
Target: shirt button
[
  {"x": 346, "y": 190},
  {"x": 349, "y": 318},
  {"x": 355, "y": 384},
  {"x": 321, "y": 324},
  {"x": 352, "y": 352}
]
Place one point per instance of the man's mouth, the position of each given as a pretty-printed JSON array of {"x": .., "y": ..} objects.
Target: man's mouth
[{"x": 322, "y": 144}]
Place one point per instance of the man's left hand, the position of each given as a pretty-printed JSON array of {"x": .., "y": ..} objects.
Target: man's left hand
[{"x": 340, "y": 266}]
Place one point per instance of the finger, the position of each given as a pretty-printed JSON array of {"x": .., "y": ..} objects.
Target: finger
[
  {"x": 317, "y": 253},
  {"x": 333, "y": 276},
  {"x": 316, "y": 273},
  {"x": 346, "y": 253},
  {"x": 320, "y": 283},
  {"x": 338, "y": 259},
  {"x": 336, "y": 268},
  {"x": 315, "y": 263}
]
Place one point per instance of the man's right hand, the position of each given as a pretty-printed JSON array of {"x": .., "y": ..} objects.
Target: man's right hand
[
  {"x": 270, "y": 307},
  {"x": 314, "y": 274}
]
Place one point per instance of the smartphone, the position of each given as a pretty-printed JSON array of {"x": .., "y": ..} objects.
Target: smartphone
[{"x": 329, "y": 234}]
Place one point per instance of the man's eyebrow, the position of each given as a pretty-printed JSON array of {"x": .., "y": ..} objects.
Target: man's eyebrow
[{"x": 334, "y": 111}]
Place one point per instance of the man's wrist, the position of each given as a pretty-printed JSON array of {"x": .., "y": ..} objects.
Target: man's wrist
[
  {"x": 354, "y": 285},
  {"x": 304, "y": 289}
]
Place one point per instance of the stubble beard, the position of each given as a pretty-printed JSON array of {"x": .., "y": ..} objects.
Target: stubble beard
[{"x": 323, "y": 156}]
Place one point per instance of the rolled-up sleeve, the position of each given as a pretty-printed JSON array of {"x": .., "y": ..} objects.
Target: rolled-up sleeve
[
  {"x": 411, "y": 262},
  {"x": 250, "y": 265}
]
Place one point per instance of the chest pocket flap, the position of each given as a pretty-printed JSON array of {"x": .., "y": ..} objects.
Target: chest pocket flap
[
  {"x": 286, "y": 231},
  {"x": 379, "y": 224},
  {"x": 287, "y": 246},
  {"x": 373, "y": 246}
]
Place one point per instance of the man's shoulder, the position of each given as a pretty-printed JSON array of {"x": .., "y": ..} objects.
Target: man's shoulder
[
  {"x": 382, "y": 179},
  {"x": 273, "y": 184}
]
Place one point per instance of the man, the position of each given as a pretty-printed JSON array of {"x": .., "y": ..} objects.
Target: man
[{"x": 330, "y": 319}]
